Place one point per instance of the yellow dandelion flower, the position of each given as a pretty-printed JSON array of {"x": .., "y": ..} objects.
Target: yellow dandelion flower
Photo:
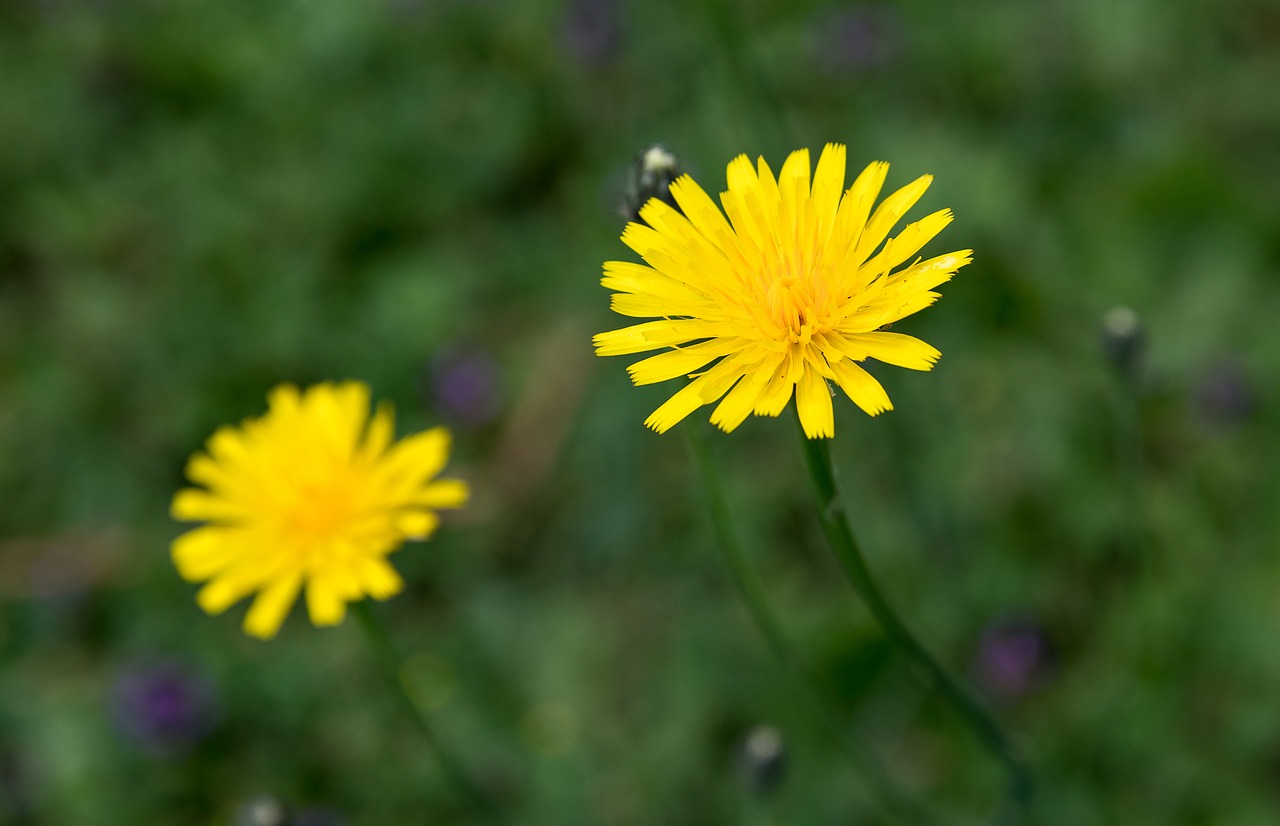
[
  {"x": 788, "y": 292},
  {"x": 315, "y": 493}
]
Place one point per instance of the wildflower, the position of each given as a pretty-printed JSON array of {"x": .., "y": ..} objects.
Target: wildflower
[
  {"x": 785, "y": 294},
  {"x": 463, "y": 384},
  {"x": 163, "y": 707},
  {"x": 859, "y": 38},
  {"x": 592, "y": 31},
  {"x": 1224, "y": 396},
  {"x": 1013, "y": 656},
  {"x": 316, "y": 494}
]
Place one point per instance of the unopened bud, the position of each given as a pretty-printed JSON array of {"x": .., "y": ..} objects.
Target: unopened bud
[
  {"x": 651, "y": 175},
  {"x": 1123, "y": 339},
  {"x": 764, "y": 758}
]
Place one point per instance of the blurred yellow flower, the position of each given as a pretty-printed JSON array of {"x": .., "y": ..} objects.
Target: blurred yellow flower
[
  {"x": 314, "y": 493},
  {"x": 788, "y": 292}
]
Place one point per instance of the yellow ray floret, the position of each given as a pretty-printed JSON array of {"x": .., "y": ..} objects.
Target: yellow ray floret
[
  {"x": 313, "y": 495},
  {"x": 781, "y": 294}
]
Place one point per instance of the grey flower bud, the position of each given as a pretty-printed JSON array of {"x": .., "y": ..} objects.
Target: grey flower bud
[
  {"x": 651, "y": 175},
  {"x": 764, "y": 758}
]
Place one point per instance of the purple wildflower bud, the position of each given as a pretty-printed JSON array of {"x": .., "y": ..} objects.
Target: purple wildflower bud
[
  {"x": 1223, "y": 395},
  {"x": 592, "y": 31},
  {"x": 1013, "y": 656},
  {"x": 464, "y": 386},
  {"x": 861, "y": 38},
  {"x": 163, "y": 707}
]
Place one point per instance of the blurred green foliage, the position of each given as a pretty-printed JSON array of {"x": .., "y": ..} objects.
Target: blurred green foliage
[{"x": 202, "y": 198}]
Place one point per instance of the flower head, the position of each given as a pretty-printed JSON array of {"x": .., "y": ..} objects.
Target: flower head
[
  {"x": 314, "y": 493},
  {"x": 790, "y": 291},
  {"x": 164, "y": 706},
  {"x": 1013, "y": 656}
]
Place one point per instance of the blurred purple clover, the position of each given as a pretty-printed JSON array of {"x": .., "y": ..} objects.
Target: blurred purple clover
[
  {"x": 1223, "y": 395},
  {"x": 591, "y": 31},
  {"x": 164, "y": 708},
  {"x": 860, "y": 38},
  {"x": 1013, "y": 658},
  {"x": 463, "y": 386}
]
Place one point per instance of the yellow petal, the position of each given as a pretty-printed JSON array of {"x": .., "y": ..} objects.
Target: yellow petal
[
  {"x": 379, "y": 579},
  {"x": 861, "y": 387},
  {"x": 199, "y": 554},
  {"x": 705, "y": 389},
  {"x": 324, "y": 602},
  {"x": 627, "y": 277},
  {"x": 777, "y": 391},
  {"x": 229, "y": 588},
  {"x": 739, "y": 402},
  {"x": 793, "y": 187},
  {"x": 680, "y": 362},
  {"x": 741, "y": 175},
  {"x": 855, "y": 207},
  {"x": 828, "y": 181},
  {"x": 284, "y": 403},
  {"x": 926, "y": 275},
  {"x": 444, "y": 493},
  {"x": 908, "y": 242},
  {"x": 380, "y": 433},
  {"x": 702, "y": 211},
  {"x": 813, "y": 401},
  {"x": 271, "y": 607},
  {"x": 417, "y": 524},
  {"x": 194, "y": 505},
  {"x": 650, "y": 336},
  {"x": 417, "y": 457},
  {"x": 888, "y": 214},
  {"x": 896, "y": 349},
  {"x": 649, "y": 306}
]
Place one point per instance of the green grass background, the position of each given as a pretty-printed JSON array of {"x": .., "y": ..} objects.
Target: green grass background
[{"x": 202, "y": 198}]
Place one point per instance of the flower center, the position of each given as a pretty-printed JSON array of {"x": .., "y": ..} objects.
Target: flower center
[
  {"x": 320, "y": 511},
  {"x": 796, "y": 310}
]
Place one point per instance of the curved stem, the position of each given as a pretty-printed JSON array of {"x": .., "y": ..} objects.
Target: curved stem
[
  {"x": 753, "y": 595},
  {"x": 393, "y": 669},
  {"x": 749, "y": 585},
  {"x": 835, "y": 524}
]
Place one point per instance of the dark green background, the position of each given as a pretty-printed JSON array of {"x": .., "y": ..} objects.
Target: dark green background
[{"x": 202, "y": 198}]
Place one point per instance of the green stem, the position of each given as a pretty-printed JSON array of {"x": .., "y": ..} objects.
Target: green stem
[
  {"x": 1129, "y": 458},
  {"x": 835, "y": 524},
  {"x": 744, "y": 576},
  {"x": 393, "y": 669},
  {"x": 752, "y": 591}
]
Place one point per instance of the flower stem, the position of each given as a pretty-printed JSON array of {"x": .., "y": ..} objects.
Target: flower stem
[
  {"x": 835, "y": 524},
  {"x": 393, "y": 669},
  {"x": 883, "y": 790}
]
